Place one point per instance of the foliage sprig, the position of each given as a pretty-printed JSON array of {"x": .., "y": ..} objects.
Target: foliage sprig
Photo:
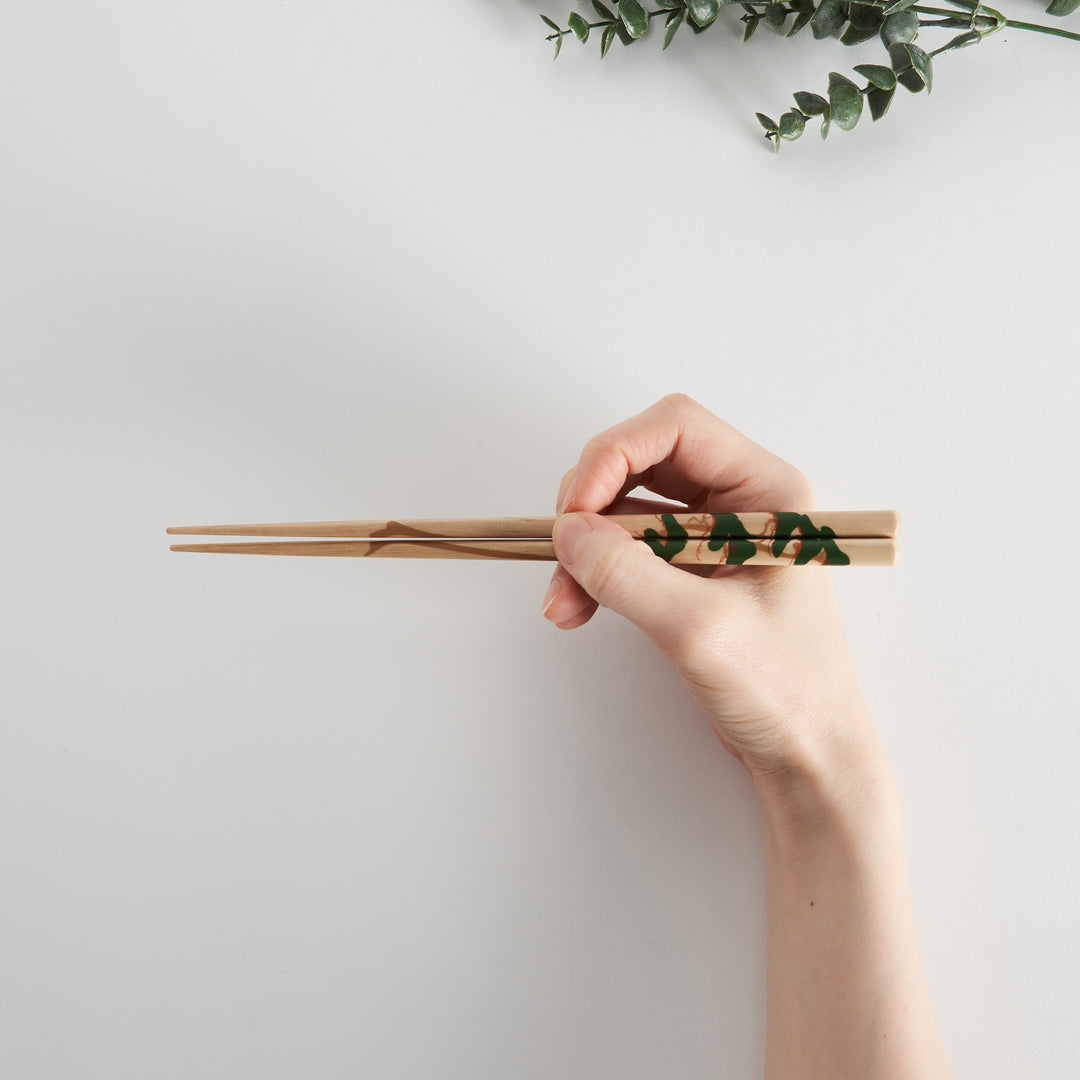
[{"x": 897, "y": 23}]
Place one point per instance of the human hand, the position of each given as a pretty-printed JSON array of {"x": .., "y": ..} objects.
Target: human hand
[{"x": 760, "y": 649}]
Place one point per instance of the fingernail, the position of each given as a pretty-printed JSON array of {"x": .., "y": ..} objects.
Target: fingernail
[
  {"x": 557, "y": 582},
  {"x": 568, "y": 534}
]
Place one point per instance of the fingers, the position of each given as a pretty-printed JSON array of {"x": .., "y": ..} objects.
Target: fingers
[
  {"x": 679, "y": 449},
  {"x": 623, "y": 574},
  {"x": 566, "y": 603}
]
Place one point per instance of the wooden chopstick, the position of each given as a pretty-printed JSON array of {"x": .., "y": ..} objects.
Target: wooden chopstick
[
  {"x": 861, "y": 551},
  {"x": 836, "y": 523},
  {"x": 783, "y": 538}
]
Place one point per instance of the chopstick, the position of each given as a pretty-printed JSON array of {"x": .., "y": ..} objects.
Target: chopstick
[
  {"x": 835, "y": 538},
  {"x": 848, "y": 523}
]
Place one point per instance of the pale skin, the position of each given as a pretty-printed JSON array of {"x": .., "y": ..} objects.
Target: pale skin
[{"x": 762, "y": 652}]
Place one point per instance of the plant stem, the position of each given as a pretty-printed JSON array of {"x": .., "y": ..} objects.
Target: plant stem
[{"x": 1043, "y": 29}]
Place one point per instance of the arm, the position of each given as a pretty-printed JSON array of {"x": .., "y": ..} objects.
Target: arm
[{"x": 762, "y": 652}]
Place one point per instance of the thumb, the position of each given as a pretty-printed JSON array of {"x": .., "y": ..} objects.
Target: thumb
[{"x": 624, "y": 574}]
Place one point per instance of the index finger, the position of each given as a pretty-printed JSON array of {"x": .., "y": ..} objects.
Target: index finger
[{"x": 678, "y": 449}]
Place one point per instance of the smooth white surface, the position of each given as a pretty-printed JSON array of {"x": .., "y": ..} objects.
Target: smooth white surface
[{"x": 277, "y": 818}]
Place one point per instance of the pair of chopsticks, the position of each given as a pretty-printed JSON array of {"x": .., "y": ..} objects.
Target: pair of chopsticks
[{"x": 782, "y": 538}]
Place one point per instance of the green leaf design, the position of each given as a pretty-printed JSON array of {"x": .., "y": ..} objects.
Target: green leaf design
[
  {"x": 1063, "y": 7},
  {"x": 792, "y": 124},
  {"x": 768, "y": 123},
  {"x": 828, "y": 18},
  {"x": 845, "y": 101},
  {"x": 882, "y": 77},
  {"x": 879, "y": 101},
  {"x": 558, "y": 47},
  {"x": 606, "y": 39},
  {"x": 751, "y": 26},
  {"x": 603, "y": 12},
  {"x": 775, "y": 16},
  {"x": 674, "y": 21},
  {"x": 703, "y": 12},
  {"x": 826, "y": 123},
  {"x": 579, "y": 26},
  {"x": 728, "y": 529},
  {"x": 812, "y": 540},
  {"x": 903, "y": 26},
  {"x": 901, "y": 5},
  {"x": 811, "y": 104},
  {"x": 554, "y": 25},
  {"x": 633, "y": 18},
  {"x": 669, "y": 543}
]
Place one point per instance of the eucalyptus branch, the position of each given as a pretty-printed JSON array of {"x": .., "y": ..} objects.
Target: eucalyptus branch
[{"x": 896, "y": 22}]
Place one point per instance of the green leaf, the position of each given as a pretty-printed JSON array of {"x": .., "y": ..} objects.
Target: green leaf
[
  {"x": 828, "y": 18},
  {"x": 775, "y": 16},
  {"x": 768, "y": 123},
  {"x": 901, "y": 5},
  {"x": 579, "y": 26},
  {"x": 882, "y": 77},
  {"x": 972, "y": 37},
  {"x": 751, "y": 26},
  {"x": 845, "y": 101},
  {"x": 606, "y": 40},
  {"x": 792, "y": 124},
  {"x": 674, "y": 21},
  {"x": 603, "y": 12},
  {"x": 854, "y": 36},
  {"x": 825, "y": 123},
  {"x": 912, "y": 66},
  {"x": 921, "y": 62},
  {"x": 879, "y": 101},
  {"x": 903, "y": 26},
  {"x": 803, "y": 20},
  {"x": 864, "y": 16},
  {"x": 1063, "y": 7},
  {"x": 811, "y": 104},
  {"x": 558, "y": 47},
  {"x": 703, "y": 12},
  {"x": 554, "y": 25},
  {"x": 633, "y": 18}
]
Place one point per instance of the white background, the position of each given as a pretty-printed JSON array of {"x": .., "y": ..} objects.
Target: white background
[{"x": 283, "y": 818}]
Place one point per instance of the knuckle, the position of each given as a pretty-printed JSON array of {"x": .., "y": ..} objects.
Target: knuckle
[{"x": 679, "y": 401}]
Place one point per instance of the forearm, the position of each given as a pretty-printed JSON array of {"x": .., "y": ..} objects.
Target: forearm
[{"x": 847, "y": 997}]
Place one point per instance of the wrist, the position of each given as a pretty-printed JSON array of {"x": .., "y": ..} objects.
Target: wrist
[{"x": 845, "y": 782}]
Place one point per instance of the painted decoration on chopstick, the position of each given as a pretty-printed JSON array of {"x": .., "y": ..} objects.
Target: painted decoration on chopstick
[{"x": 793, "y": 538}]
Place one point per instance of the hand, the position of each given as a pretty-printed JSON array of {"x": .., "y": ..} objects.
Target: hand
[{"x": 759, "y": 648}]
